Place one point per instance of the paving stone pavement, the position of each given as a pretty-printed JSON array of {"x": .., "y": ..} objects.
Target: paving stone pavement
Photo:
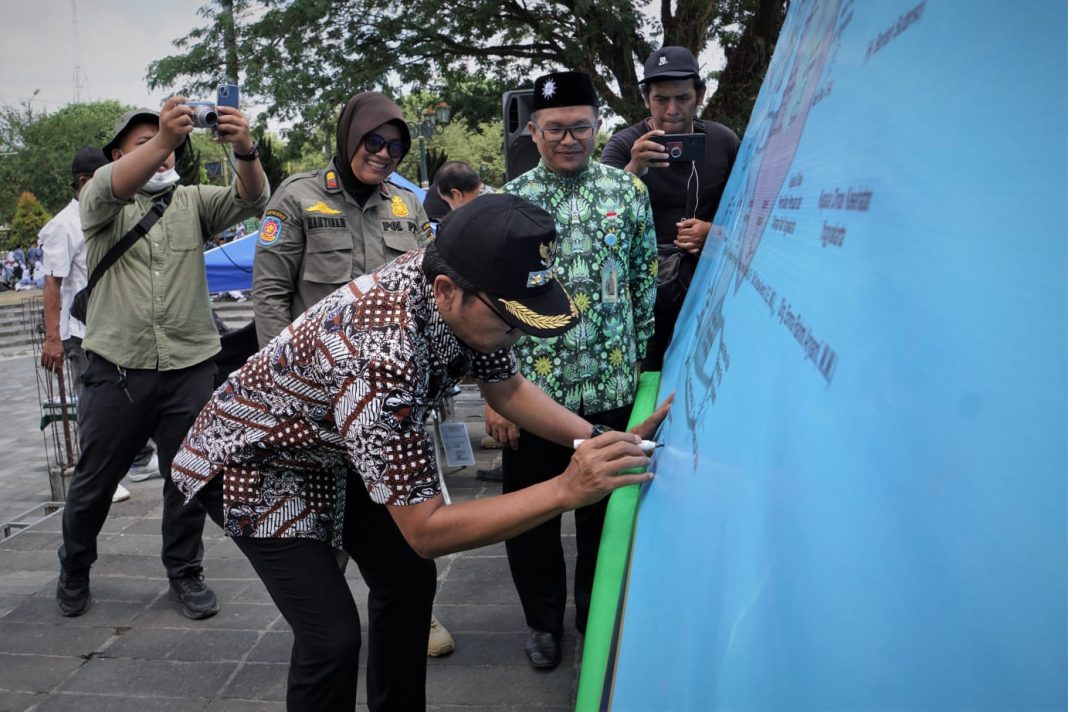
[{"x": 135, "y": 651}]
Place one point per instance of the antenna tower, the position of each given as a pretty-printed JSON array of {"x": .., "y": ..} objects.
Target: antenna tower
[{"x": 80, "y": 80}]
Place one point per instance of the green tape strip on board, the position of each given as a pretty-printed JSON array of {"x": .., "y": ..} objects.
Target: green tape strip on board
[{"x": 613, "y": 557}]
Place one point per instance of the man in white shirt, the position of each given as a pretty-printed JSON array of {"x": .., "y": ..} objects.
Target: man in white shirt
[{"x": 65, "y": 273}]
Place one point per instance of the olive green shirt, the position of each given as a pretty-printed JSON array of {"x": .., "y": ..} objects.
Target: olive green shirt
[
  {"x": 151, "y": 309},
  {"x": 315, "y": 238}
]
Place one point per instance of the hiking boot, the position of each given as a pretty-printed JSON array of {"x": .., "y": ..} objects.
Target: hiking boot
[
  {"x": 440, "y": 642},
  {"x": 72, "y": 593},
  {"x": 195, "y": 599}
]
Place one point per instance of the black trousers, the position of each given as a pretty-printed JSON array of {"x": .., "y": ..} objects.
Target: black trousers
[
  {"x": 305, "y": 582},
  {"x": 112, "y": 428},
  {"x": 664, "y": 318},
  {"x": 536, "y": 557}
]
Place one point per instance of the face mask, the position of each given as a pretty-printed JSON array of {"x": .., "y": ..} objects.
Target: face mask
[{"x": 159, "y": 182}]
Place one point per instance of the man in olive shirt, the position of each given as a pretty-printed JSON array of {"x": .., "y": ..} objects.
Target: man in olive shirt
[
  {"x": 149, "y": 336},
  {"x": 328, "y": 226}
]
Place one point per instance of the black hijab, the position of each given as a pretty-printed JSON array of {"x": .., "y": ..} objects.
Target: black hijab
[{"x": 363, "y": 113}]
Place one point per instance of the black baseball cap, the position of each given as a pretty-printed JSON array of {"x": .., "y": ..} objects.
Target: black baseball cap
[
  {"x": 671, "y": 63},
  {"x": 87, "y": 160},
  {"x": 131, "y": 119},
  {"x": 505, "y": 246}
]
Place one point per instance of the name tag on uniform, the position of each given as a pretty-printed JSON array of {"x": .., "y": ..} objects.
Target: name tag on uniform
[{"x": 610, "y": 282}]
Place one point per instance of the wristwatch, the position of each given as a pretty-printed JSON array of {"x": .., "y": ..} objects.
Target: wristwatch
[
  {"x": 251, "y": 155},
  {"x": 600, "y": 430}
]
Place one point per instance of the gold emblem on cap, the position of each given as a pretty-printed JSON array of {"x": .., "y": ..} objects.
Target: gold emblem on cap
[
  {"x": 546, "y": 250},
  {"x": 540, "y": 321}
]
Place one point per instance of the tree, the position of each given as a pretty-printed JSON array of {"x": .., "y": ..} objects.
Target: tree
[
  {"x": 30, "y": 216},
  {"x": 311, "y": 55},
  {"x": 38, "y": 148},
  {"x": 748, "y": 57},
  {"x": 274, "y": 166}
]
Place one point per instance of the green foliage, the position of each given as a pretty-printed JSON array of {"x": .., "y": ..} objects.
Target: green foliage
[
  {"x": 274, "y": 166},
  {"x": 305, "y": 58},
  {"x": 30, "y": 216},
  {"x": 480, "y": 147},
  {"x": 38, "y": 148}
]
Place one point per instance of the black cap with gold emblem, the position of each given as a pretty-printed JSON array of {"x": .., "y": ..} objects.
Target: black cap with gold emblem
[{"x": 505, "y": 245}]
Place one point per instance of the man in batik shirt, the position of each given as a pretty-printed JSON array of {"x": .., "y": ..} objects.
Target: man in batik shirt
[
  {"x": 319, "y": 442},
  {"x": 606, "y": 259}
]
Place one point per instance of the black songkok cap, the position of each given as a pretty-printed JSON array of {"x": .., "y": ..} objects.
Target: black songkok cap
[{"x": 564, "y": 89}]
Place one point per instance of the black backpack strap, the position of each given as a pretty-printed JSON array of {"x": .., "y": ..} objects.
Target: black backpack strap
[{"x": 139, "y": 230}]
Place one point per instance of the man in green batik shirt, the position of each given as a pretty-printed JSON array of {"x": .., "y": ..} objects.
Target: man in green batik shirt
[{"x": 606, "y": 259}]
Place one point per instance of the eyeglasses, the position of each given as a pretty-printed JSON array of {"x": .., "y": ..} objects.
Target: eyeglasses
[
  {"x": 374, "y": 143},
  {"x": 555, "y": 134},
  {"x": 511, "y": 329}
]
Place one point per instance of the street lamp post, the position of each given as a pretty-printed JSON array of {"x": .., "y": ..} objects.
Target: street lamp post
[{"x": 434, "y": 121}]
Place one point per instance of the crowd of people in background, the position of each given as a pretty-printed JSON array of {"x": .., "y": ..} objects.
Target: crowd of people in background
[{"x": 23, "y": 269}]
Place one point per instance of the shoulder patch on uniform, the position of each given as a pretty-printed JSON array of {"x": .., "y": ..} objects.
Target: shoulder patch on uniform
[
  {"x": 276, "y": 214},
  {"x": 270, "y": 230},
  {"x": 330, "y": 180},
  {"x": 323, "y": 208},
  {"x": 399, "y": 207}
]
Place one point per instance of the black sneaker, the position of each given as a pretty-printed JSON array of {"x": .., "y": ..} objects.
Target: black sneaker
[
  {"x": 72, "y": 593},
  {"x": 196, "y": 600}
]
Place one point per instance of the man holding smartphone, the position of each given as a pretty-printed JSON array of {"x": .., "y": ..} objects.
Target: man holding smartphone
[{"x": 684, "y": 194}]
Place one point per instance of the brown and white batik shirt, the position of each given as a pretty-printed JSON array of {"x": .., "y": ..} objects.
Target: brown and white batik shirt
[{"x": 344, "y": 391}]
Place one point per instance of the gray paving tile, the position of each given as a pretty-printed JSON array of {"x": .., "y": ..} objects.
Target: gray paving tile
[
  {"x": 272, "y": 648},
  {"x": 84, "y": 702},
  {"x": 484, "y": 567},
  {"x": 51, "y": 639},
  {"x": 20, "y": 701},
  {"x": 258, "y": 681},
  {"x": 246, "y": 706},
  {"x": 32, "y": 540},
  {"x": 123, "y": 543},
  {"x": 481, "y": 617},
  {"x": 106, "y": 614},
  {"x": 23, "y": 582},
  {"x": 497, "y": 684},
  {"x": 35, "y": 673},
  {"x": 151, "y": 678},
  {"x": 8, "y": 603},
  {"x": 232, "y": 616},
  {"x": 491, "y": 591},
  {"x": 215, "y": 645}
]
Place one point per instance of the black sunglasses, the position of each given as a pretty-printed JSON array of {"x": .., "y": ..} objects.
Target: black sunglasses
[{"x": 374, "y": 143}]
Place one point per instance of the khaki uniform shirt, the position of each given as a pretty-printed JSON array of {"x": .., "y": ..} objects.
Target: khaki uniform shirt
[
  {"x": 151, "y": 309},
  {"x": 315, "y": 237}
]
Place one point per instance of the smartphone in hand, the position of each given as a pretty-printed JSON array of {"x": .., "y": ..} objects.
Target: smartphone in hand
[
  {"x": 227, "y": 95},
  {"x": 682, "y": 147}
]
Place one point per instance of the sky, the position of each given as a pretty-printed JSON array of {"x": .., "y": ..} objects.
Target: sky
[{"x": 116, "y": 40}]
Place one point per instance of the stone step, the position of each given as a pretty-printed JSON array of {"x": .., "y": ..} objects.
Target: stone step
[{"x": 16, "y": 339}]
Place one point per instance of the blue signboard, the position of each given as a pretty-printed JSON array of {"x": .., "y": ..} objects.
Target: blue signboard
[{"x": 861, "y": 502}]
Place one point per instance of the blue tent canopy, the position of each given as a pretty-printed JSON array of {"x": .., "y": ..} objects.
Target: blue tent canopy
[{"x": 229, "y": 266}]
